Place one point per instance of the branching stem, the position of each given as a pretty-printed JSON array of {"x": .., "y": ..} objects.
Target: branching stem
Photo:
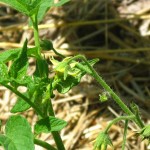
[
  {"x": 99, "y": 79},
  {"x": 118, "y": 119},
  {"x": 55, "y": 134}
]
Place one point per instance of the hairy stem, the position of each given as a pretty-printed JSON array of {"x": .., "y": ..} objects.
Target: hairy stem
[{"x": 99, "y": 79}]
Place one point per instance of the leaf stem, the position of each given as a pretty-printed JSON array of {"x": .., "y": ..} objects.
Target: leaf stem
[
  {"x": 107, "y": 88},
  {"x": 44, "y": 144}
]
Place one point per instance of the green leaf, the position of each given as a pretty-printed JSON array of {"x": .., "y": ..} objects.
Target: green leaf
[
  {"x": 46, "y": 5},
  {"x": 7, "y": 143},
  {"x": 30, "y": 8},
  {"x": 36, "y": 87},
  {"x": 26, "y": 7},
  {"x": 41, "y": 68},
  {"x": 31, "y": 85},
  {"x": 44, "y": 8},
  {"x": 34, "y": 7},
  {"x": 20, "y": 105},
  {"x": 9, "y": 55},
  {"x": 60, "y": 3},
  {"x": 13, "y": 53},
  {"x": 30, "y": 5},
  {"x": 19, "y": 67},
  {"x": 49, "y": 124},
  {"x": 19, "y": 5},
  {"x": 3, "y": 73},
  {"x": 18, "y": 135},
  {"x": 32, "y": 52}
]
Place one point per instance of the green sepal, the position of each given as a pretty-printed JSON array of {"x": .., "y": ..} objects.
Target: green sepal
[
  {"x": 102, "y": 141},
  {"x": 64, "y": 85},
  {"x": 69, "y": 73}
]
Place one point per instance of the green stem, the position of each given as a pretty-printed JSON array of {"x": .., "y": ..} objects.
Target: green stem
[
  {"x": 44, "y": 144},
  {"x": 125, "y": 134},
  {"x": 25, "y": 99},
  {"x": 118, "y": 119},
  {"x": 36, "y": 33},
  {"x": 99, "y": 79},
  {"x": 56, "y": 135}
]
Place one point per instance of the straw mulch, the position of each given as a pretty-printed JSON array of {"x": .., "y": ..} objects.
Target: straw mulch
[{"x": 117, "y": 32}]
